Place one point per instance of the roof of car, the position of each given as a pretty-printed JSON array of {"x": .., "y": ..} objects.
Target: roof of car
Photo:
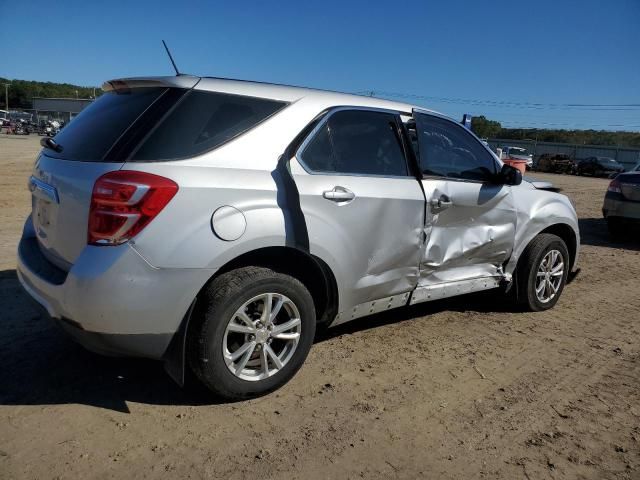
[{"x": 274, "y": 91}]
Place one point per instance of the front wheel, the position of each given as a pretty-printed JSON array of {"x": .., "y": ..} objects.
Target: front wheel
[
  {"x": 542, "y": 272},
  {"x": 253, "y": 331}
]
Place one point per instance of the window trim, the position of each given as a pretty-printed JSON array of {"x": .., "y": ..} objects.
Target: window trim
[
  {"x": 496, "y": 163},
  {"x": 326, "y": 115}
]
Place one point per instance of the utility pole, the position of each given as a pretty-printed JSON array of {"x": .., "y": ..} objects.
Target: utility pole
[{"x": 6, "y": 97}]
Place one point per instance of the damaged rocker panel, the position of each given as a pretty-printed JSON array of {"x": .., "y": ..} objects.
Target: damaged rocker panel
[
  {"x": 452, "y": 289},
  {"x": 369, "y": 308},
  {"x": 421, "y": 294}
]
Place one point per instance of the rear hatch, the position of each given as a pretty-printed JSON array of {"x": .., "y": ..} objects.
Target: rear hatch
[
  {"x": 96, "y": 142},
  {"x": 135, "y": 120}
]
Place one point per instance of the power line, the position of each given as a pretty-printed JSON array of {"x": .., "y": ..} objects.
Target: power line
[
  {"x": 507, "y": 104},
  {"x": 507, "y": 124}
]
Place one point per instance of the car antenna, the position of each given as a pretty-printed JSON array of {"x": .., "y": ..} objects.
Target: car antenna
[{"x": 171, "y": 58}]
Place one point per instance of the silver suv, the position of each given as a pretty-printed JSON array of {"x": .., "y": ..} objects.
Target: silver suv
[{"x": 215, "y": 224}]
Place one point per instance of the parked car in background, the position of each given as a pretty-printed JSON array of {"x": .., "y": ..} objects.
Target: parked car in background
[
  {"x": 598, "y": 167},
  {"x": 214, "y": 223},
  {"x": 517, "y": 153},
  {"x": 621, "y": 206},
  {"x": 49, "y": 128},
  {"x": 554, "y": 163}
]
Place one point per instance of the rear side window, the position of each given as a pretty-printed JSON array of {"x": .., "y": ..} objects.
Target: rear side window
[
  {"x": 90, "y": 135},
  {"x": 202, "y": 121},
  {"x": 357, "y": 142}
]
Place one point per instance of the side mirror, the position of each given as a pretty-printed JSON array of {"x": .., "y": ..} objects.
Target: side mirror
[{"x": 510, "y": 175}]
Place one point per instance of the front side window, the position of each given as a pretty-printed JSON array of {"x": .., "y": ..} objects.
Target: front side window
[
  {"x": 449, "y": 150},
  {"x": 357, "y": 142}
]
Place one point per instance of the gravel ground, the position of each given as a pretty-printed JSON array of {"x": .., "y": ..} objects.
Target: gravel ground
[{"x": 463, "y": 388}]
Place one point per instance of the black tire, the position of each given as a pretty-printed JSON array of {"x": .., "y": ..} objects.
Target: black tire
[
  {"x": 528, "y": 269},
  {"x": 217, "y": 306}
]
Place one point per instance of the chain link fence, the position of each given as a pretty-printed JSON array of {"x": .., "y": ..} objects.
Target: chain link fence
[{"x": 628, "y": 157}]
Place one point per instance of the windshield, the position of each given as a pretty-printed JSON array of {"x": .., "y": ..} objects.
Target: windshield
[{"x": 518, "y": 151}]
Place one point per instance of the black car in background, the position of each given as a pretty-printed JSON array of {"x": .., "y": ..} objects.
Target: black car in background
[
  {"x": 598, "y": 167},
  {"x": 554, "y": 163}
]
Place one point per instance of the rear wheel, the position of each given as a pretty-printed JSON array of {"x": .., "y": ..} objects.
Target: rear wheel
[
  {"x": 542, "y": 272},
  {"x": 253, "y": 332}
]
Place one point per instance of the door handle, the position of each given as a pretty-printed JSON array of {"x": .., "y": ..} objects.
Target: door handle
[
  {"x": 339, "y": 194},
  {"x": 440, "y": 203}
]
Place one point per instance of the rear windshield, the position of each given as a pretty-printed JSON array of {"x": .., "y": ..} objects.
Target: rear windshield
[
  {"x": 154, "y": 124},
  {"x": 90, "y": 135}
]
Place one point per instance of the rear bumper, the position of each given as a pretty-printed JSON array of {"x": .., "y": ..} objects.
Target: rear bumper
[
  {"x": 617, "y": 206},
  {"x": 111, "y": 300},
  {"x": 134, "y": 345}
]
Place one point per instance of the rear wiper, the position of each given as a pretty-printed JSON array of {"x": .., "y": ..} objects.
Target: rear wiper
[{"x": 48, "y": 142}]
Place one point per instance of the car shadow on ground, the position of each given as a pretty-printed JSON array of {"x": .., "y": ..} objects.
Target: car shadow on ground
[
  {"x": 494, "y": 301},
  {"x": 594, "y": 231},
  {"x": 41, "y": 365}
]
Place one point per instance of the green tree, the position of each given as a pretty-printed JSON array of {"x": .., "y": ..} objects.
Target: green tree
[
  {"x": 21, "y": 92},
  {"x": 485, "y": 128}
]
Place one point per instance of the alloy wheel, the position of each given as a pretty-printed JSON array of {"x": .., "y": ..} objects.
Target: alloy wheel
[
  {"x": 549, "y": 276},
  {"x": 261, "y": 336}
]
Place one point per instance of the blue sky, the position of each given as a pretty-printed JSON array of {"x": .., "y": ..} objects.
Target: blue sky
[{"x": 459, "y": 56}]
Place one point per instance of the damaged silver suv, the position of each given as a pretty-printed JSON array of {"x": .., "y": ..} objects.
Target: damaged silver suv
[{"x": 215, "y": 224}]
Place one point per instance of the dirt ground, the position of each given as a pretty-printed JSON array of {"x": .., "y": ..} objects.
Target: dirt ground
[{"x": 463, "y": 388}]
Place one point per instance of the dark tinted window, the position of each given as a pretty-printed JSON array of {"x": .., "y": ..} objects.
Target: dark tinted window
[
  {"x": 203, "y": 121},
  {"x": 357, "y": 142},
  {"x": 90, "y": 135},
  {"x": 318, "y": 155},
  {"x": 607, "y": 161},
  {"x": 449, "y": 150}
]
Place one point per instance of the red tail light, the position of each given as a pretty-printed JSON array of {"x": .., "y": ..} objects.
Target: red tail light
[
  {"x": 124, "y": 202},
  {"x": 614, "y": 186}
]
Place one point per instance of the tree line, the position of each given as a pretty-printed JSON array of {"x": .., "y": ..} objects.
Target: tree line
[
  {"x": 21, "y": 92},
  {"x": 485, "y": 128}
]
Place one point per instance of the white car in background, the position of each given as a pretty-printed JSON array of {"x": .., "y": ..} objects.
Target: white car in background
[{"x": 517, "y": 153}]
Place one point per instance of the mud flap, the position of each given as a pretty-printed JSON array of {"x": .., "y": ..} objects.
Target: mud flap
[{"x": 174, "y": 358}]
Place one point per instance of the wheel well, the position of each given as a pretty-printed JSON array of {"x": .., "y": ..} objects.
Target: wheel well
[
  {"x": 566, "y": 233},
  {"x": 312, "y": 271}
]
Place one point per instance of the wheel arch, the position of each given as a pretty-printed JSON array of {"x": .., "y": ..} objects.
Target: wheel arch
[
  {"x": 568, "y": 235},
  {"x": 311, "y": 270},
  {"x": 562, "y": 229}
]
